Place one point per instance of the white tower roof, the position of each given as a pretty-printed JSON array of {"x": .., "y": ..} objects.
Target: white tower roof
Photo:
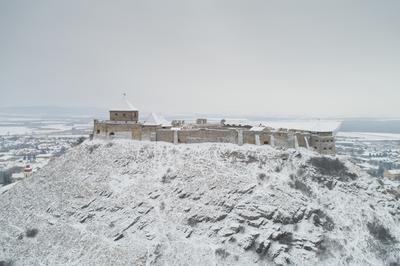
[
  {"x": 125, "y": 105},
  {"x": 156, "y": 120}
]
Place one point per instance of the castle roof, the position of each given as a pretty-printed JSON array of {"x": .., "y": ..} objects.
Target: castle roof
[
  {"x": 125, "y": 105},
  {"x": 315, "y": 125},
  {"x": 258, "y": 128},
  {"x": 156, "y": 120}
]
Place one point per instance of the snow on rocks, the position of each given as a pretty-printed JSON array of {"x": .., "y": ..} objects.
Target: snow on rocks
[{"x": 140, "y": 203}]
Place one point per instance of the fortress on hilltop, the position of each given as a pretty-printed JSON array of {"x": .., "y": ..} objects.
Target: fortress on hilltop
[{"x": 124, "y": 123}]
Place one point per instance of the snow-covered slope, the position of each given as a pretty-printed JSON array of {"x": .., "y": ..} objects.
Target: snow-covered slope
[{"x": 136, "y": 203}]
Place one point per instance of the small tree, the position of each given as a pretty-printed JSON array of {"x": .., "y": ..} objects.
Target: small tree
[
  {"x": 5, "y": 177},
  {"x": 79, "y": 141},
  {"x": 380, "y": 171}
]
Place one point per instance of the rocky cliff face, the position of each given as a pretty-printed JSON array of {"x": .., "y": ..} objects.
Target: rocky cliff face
[{"x": 138, "y": 203}]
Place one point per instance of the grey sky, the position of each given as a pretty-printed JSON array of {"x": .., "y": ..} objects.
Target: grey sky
[{"x": 242, "y": 57}]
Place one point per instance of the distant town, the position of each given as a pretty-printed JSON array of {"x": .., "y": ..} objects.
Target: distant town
[
  {"x": 28, "y": 143},
  {"x": 378, "y": 154}
]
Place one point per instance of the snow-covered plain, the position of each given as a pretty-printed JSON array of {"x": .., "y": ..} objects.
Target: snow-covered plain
[
  {"x": 15, "y": 125},
  {"x": 15, "y": 130},
  {"x": 366, "y": 136},
  {"x": 139, "y": 203}
]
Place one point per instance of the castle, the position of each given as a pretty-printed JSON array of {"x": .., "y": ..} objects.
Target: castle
[{"x": 124, "y": 123}]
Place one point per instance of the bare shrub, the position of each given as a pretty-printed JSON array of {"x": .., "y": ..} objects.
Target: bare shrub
[
  {"x": 92, "y": 148},
  {"x": 168, "y": 176},
  {"x": 79, "y": 141},
  {"x": 278, "y": 169},
  {"x": 394, "y": 192},
  {"x": 262, "y": 177},
  {"x": 301, "y": 186},
  {"x": 328, "y": 166},
  {"x": 221, "y": 253},
  {"x": 109, "y": 145},
  {"x": 325, "y": 247},
  {"x": 380, "y": 233},
  {"x": 251, "y": 159},
  {"x": 332, "y": 167},
  {"x": 31, "y": 233},
  {"x": 320, "y": 218},
  {"x": 6, "y": 263},
  {"x": 235, "y": 155}
]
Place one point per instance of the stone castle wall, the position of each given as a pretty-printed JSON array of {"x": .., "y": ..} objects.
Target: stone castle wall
[
  {"x": 124, "y": 116},
  {"x": 122, "y": 130},
  {"x": 249, "y": 137},
  {"x": 165, "y": 135},
  {"x": 207, "y": 135},
  {"x": 323, "y": 142}
]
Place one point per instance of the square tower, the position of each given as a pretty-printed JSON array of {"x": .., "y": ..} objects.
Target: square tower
[{"x": 124, "y": 115}]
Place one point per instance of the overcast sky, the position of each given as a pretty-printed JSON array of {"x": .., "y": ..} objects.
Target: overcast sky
[{"x": 316, "y": 58}]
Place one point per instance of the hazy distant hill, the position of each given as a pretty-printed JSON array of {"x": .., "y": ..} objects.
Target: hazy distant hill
[
  {"x": 53, "y": 111},
  {"x": 371, "y": 125},
  {"x": 348, "y": 125}
]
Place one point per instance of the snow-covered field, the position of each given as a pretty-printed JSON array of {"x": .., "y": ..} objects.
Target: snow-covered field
[
  {"x": 140, "y": 203},
  {"x": 15, "y": 130},
  {"x": 42, "y": 127},
  {"x": 365, "y": 136}
]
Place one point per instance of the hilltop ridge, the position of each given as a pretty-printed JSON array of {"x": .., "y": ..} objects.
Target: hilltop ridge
[{"x": 125, "y": 202}]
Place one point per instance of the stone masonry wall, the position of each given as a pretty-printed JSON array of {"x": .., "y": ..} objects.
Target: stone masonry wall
[
  {"x": 165, "y": 135},
  {"x": 207, "y": 135},
  {"x": 249, "y": 137},
  {"x": 124, "y": 115},
  {"x": 107, "y": 130},
  {"x": 321, "y": 142}
]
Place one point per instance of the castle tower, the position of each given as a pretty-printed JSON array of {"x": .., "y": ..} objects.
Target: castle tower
[{"x": 126, "y": 112}]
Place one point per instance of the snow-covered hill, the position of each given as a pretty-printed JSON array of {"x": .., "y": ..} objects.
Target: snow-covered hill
[{"x": 137, "y": 203}]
